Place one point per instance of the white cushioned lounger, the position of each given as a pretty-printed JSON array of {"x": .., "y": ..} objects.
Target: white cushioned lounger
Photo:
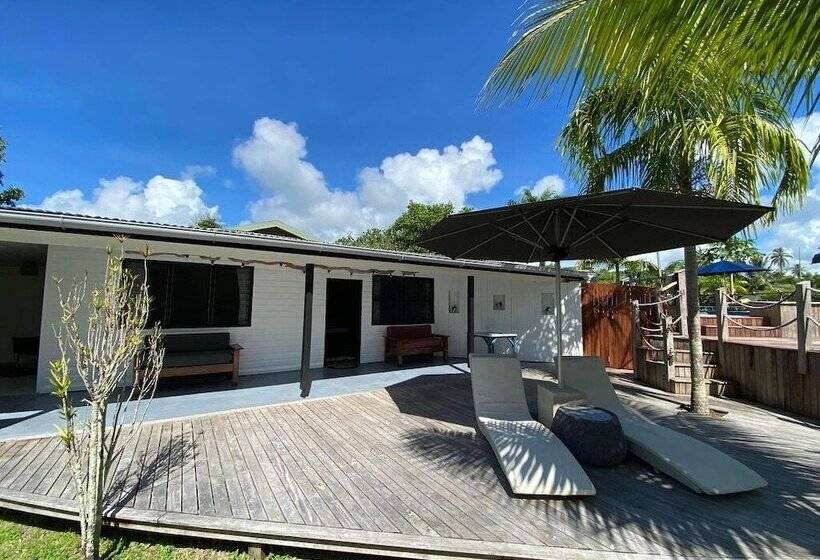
[
  {"x": 695, "y": 464},
  {"x": 533, "y": 459}
]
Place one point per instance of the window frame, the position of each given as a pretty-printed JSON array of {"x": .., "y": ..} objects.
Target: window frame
[
  {"x": 402, "y": 315},
  {"x": 167, "y": 308}
]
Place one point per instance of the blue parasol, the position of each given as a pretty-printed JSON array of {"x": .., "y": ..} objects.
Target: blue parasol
[{"x": 728, "y": 267}]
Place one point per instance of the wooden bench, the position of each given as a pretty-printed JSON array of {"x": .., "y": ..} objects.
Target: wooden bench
[
  {"x": 412, "y": 340},
  {"x": 199, "y": 354}
]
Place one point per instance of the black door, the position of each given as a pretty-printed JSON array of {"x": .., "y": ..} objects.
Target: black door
[{"x": 343, "y": 323}]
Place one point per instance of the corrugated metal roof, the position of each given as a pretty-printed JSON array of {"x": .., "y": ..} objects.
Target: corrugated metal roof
[{"x": 38, "y": 219}]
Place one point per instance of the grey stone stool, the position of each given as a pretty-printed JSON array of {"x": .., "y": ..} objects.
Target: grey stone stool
[{"x": 592, "y": 434}]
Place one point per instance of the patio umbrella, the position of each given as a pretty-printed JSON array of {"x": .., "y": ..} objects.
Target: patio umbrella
[
  {"x": 816, "y": 259},
  {"x": 731, "y": 268},
  {"x": 613, "y": 224}
]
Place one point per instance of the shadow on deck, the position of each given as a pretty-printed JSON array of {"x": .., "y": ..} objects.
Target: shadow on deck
[{"x": 401, "y": 471}]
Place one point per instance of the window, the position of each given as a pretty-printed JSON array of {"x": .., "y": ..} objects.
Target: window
[
  {"x": 402, "y": 300},
  {"x": 186, "y": 295}
]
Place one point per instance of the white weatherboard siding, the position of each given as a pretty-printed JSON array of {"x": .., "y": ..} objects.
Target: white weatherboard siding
[{"x": 273, "y": 341}]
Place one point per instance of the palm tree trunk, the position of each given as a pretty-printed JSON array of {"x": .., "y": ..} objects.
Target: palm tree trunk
[
  {"x": 700, "y": 399},
  {"x": 617, "y": 273}
]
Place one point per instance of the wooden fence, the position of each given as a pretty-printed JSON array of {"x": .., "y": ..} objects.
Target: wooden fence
[
  {"x": 607, "y": 321},
  {"x": 769, "y": 375}
]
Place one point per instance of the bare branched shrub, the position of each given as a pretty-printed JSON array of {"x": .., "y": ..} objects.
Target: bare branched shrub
[{"x": 101, "y": 340}]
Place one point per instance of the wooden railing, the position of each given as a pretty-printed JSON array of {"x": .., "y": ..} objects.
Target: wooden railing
[
  {"x": 802, "y": 297},
  {"x": 664, "y": 327}
]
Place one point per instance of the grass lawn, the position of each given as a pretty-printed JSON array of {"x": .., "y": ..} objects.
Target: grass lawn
[{"x": 25, "y": 537}]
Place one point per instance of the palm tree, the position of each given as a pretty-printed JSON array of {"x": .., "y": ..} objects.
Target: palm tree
[
  {"x": 780, "y": 258},
  {"x": 605, "y": 264},
  {"x": 712, "y": 137},
  {"x": 596, "y": 41},
  {"x": 528, "y": 195}
]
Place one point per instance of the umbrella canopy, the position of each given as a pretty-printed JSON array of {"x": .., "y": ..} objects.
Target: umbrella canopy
[
  {"x": 728, "y": 267},
  {"x": 613, "y": 224},
  {"x": 816, "y": 259}
]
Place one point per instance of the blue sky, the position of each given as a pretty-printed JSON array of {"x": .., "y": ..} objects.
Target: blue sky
[{"x": 327, "y": 114}]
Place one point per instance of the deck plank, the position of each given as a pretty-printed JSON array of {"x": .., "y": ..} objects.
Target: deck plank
[
  {"x": 461, "y": 498},
  {"x": 204, "y": 493},
  {"x": 240, "y": 508},
  {"x": 176, "y": 451},
  {"x": 147, "y": 473},
  {"x": 315, "y": 490},
  {"x": 217, "y": 480},
  {"x": 267, "y": 495},
  {"x": 407, "y": 462}
]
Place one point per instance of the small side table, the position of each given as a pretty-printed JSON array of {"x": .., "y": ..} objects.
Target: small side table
[
  {"x": 551, "y": 395},
  {"x": 489, "y": 339}
]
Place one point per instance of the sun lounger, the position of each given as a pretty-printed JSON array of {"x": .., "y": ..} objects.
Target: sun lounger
[
  {"x": 533, "y": 459},
  {"x": 695, "y": 464}
]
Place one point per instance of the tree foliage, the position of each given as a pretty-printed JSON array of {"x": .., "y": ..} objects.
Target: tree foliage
[
  {"x": 592, "y": 42},
  {"x": 527, "y": 196},
  {"x": 731, "y": 141},
  {"x": 405, "y": 231},
  {"x": 12, "y": 195},
  {"x": 780, "y": 258},
  {"x": 704, "y": 135},
  {"x": 736, "y": 249},
  {"x": 207, "y": 221}
]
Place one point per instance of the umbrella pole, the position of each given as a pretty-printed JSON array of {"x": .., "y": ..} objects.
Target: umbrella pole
[{"x": 559, "y": 320}]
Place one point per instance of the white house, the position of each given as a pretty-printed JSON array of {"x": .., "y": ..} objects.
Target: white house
[{"x": 253, "y": 286}]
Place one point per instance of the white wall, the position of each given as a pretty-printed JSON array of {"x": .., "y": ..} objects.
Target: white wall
[
  {"x": 273, "y": 341},
  {"x": 66, "y": 264},
  {"x": 20, "y": 300},
  {"x": 522, "y": 314}
]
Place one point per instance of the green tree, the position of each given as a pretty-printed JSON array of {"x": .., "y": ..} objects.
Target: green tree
[
  {"x": 780, "y": 258},
  {"x": 712, "y": 137},
  {"x": 598, "y": 41},
  {"x": 638, "y": 271},
  {"x": 207, "y": 221},
  {"x": 737, "y": 249},
  {"x": 603, "y": 268},
  {"x": 12, "y": 195},
  {"x": 527, "y": 196},
  {"x": 373, "y": 238},
  {"x": 405, "y": 231}
]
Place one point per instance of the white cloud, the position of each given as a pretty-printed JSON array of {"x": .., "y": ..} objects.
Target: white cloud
[
  {"x": 276, "y": 156},
  {"x": 798, "y": 232},
  {"x": 548, "y": 182},
  {"x": 194, "y": 171},
  {"x": 808, "y": 131},
  {"x": 161, "y": 199}
]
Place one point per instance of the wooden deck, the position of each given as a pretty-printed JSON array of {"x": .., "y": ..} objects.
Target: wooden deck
[{"x": 401, "y": 472}]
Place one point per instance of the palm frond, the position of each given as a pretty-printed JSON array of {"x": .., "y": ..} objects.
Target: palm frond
[{"x": 596, "y": 41}]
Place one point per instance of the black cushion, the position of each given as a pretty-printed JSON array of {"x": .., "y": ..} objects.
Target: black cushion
[
  {"x": 181, "y": 359},
  {"x": 592, "y": 434},
  {"x": 196, "y": 342}
]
